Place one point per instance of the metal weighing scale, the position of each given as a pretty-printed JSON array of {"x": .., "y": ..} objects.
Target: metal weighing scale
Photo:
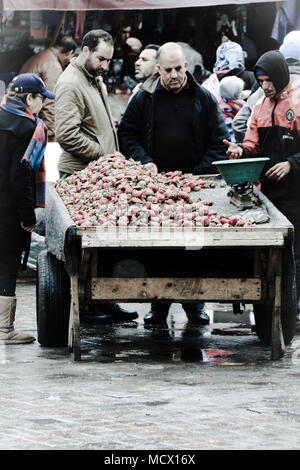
[
  {"x": 243, "y": 197},
  {"x": 240, "y": 174}
]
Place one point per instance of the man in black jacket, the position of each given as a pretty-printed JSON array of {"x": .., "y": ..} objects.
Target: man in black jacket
[{"x": 173, "y": 123}]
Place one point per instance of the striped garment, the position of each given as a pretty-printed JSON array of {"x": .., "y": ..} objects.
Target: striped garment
[{"x": 34, "y": 154}]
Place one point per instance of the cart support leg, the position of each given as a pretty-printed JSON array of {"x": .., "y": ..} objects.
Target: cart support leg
[
  {"x": 74, "y": 326},
  {"x": 278, "y": 346}
]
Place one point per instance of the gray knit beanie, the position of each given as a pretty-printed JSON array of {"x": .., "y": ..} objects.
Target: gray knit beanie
[{"x": 231, "y": 87}]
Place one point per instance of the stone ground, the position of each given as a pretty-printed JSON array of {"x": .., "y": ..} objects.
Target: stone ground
[{"x": 179, "y": 388}]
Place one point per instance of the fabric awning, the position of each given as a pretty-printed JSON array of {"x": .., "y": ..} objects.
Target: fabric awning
[{"x": 115, "y": 4}]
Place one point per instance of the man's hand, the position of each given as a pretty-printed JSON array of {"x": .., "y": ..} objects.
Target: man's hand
[
  {"x": 234, "y": 151},
  {"x": 28, "y": 229},
  {"x": 278, "y": 171},
  {"x": 152, "y": 167}
]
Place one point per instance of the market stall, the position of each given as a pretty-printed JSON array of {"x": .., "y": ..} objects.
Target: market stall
[{"x": 223, "y": 259}]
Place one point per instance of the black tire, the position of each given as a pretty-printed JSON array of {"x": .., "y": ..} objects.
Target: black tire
[
  {"x": 263, "y": 311},
  {"x": 53, "y": 299}
]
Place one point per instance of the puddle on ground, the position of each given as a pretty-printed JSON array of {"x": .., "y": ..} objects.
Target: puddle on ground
[
  {"x": 183, "y": 343},
  {"x": 226, "y": 341}
]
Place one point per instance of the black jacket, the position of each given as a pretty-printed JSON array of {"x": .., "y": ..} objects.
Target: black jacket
[
  {"x": 136, "y": 128},
  {"x": 16, "y": 181}
]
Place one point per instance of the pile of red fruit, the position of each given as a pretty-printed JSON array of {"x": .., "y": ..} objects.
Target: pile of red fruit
[{"x": 113, "y": 191}]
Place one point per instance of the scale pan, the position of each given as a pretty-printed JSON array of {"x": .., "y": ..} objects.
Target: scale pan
[{"x": 240, "y": 171}]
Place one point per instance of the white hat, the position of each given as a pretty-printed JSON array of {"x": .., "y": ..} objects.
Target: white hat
[
  {"x": 293, "y": 36},
  {"x": 291, "y": 50}
]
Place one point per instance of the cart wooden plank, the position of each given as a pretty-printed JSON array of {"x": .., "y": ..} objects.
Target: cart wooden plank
[
  {"x": 95, "y": 237},
  {"x": 274, "y": 274},
  {"x": 176, "y": 289},
  {"x": 74, "y": 326}
]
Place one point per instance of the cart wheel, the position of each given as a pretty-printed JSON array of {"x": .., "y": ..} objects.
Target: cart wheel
[{"x": 53, "y": 298}]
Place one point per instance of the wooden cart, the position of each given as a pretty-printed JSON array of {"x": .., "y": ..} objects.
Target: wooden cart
[{"x": 215, "y": 264}]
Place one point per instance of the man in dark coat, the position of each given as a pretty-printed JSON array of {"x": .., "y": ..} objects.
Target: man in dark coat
[{"x": 174, "y": 124}]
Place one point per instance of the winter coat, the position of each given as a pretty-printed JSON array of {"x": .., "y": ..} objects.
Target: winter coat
[
  {"x": 16, "y": 181},
  {"x": 47, "y": 66},
  {"x": 212, "y": 82},
  {"x": 274, "y": 130},
  {"x": 136, "y": 133},
  {"x": 84, "y": 125}
]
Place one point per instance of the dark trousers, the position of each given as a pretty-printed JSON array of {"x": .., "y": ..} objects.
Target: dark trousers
[
  {"x": 10, "y": 261},
  {"x": 166, "y": 305},
  {"x": 292, "y": 212}
]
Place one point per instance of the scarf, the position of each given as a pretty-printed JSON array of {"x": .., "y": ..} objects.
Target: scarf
[{"x": 34, "y": 154}]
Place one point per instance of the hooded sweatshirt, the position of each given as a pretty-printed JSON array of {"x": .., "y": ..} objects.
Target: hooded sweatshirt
[
  {"x": 292, "y": 57},
  {"x": 274, "y": 128},
  {"x": 275, "y": 66}
]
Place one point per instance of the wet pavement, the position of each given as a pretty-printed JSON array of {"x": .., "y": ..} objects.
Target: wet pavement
[{"x": 175, "y": 388}]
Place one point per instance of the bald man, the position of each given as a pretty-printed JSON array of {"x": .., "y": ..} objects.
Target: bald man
[{"x": 174, "y": 124}]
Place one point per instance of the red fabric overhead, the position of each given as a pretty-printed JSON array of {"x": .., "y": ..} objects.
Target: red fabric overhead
[{"x": 114, "y": 4}]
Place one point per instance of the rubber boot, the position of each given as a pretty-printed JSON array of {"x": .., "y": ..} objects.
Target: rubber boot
[{"x": 8, "y": 335}]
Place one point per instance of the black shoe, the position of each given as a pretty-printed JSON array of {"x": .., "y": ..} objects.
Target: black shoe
[
  {"x": 91, "y": 314},
  {"x": 196, "y": 314},
  {"x": 201, "y": 318},
  {"x": 157, "y": 315},
  {"x": 117, "y": 313},
  {"x": 101, "y": 319}
]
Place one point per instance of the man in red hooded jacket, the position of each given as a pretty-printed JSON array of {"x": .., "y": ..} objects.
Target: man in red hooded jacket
[{"x": 274, "y": 132}]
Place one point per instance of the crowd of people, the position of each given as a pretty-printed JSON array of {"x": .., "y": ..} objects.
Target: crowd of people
[{"x": 176, "y": 119}]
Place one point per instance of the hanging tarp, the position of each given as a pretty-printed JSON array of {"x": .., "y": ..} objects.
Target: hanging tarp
[{"x": 115, "y": 4}]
